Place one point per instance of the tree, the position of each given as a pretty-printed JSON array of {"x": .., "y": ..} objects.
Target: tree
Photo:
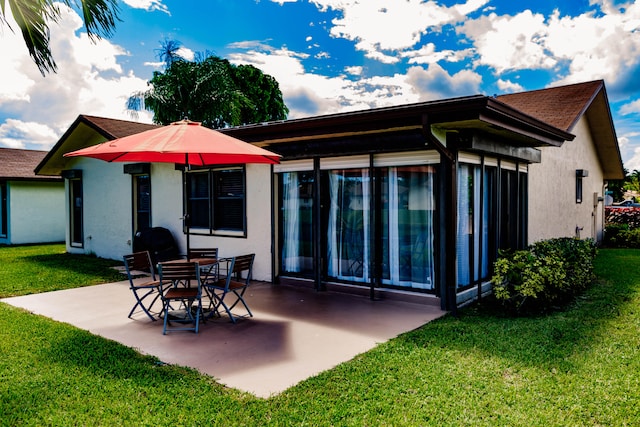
[
  {"x": 632, "y": 183},
  {"x": 210, "y": 90},
  {"x": 33, "y": 17}
]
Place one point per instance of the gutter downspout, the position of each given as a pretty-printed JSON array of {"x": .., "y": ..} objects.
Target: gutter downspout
[{"x": 448, "y": 299}]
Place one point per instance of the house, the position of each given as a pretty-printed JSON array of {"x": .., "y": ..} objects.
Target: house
[
  {"x": 411, "y": 201},
  {"x": 31, "y": 206},
  {"x": 569, "y": 181}
]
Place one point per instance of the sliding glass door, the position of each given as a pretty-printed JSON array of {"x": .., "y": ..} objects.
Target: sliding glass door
[
  {"x": 407, "y": 211},
  {"x": 384, "y": 213},
  {"x": 348, "y": 230},
  {"x": 297, "y": 223}
]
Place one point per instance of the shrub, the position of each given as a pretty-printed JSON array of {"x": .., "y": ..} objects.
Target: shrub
[
  {"x": 549, "y": 273},
  {"x": 625, "y": 238},
  {"x": 622, "y": 225},
  {"x": 612, "y": 234}
]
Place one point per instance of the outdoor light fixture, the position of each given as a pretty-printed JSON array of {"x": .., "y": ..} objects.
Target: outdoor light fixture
[{"x": 580, "y": 173}]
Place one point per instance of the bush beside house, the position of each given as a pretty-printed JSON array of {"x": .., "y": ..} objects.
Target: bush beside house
[
  {"x": 547, "y": 274},
  {"x": 622, "y": 227}
]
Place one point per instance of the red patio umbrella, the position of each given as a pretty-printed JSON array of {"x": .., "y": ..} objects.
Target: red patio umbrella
[{"x": 184, "y": 142}]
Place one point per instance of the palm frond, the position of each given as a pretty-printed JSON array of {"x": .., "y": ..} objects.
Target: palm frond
[
  {"x": 31, "y": 17},
  {"x": 100, "y": 17}
]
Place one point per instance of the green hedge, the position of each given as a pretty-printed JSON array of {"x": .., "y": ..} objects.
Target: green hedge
[
  {"x": 547, "y": 274},
  {"x": 622, "y": 228}
]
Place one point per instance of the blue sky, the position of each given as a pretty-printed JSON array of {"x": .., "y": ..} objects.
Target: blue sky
[{"x": 333, "y": 55}]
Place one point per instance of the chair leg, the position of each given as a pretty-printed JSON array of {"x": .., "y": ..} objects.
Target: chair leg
[
  {"x": 226, "y": 308},
  {"x": 140, "y": 303},
  {"x": 166, "y": 317},
  {"x": 241, "y": 299},
  {"x": 190, "y": 317}
]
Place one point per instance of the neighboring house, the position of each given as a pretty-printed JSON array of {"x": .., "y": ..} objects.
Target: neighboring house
[
  {"x": 566, "y": 188},
  {"x": 411, "y": 201},
  {"x": 31, "y": 206}
]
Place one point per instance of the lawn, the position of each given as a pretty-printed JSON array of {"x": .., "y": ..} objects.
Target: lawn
[{"x": 577, "y": 367}]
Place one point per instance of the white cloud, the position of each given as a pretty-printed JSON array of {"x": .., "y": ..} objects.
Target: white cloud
[
  {"x": 308, "y": 94},
  {"x": 634, "y": 160},
  {"x": 90, "y": 80},
  {"x": 355, "y": 70},
  {"x": 18, "y": 134},
  {"x": 381, "y": 28},
  {"x": 602, "y": 43},
  {"x": 509, "y": 42},
  {"x": 186, "y": 53},
  {"x": 509, "y": 86},
  {"x": 428, "y": 54},
  {"x": 630, "y": 108},
  {"x": 150, "y": 5}
]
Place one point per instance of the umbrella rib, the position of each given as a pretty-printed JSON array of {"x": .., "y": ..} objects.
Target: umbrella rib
[{"x": 117, "y": 157}]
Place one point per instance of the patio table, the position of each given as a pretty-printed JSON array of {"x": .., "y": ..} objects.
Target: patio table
[{"x": 209, "y": 272}]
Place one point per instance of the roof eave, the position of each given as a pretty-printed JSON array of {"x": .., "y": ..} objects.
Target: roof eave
[{"x": 485, "y": 112}]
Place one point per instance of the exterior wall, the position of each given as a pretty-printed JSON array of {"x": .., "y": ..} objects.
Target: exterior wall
[
  {"x": 106, "y": 193},
  {"x": 35, "y": 212},
  {"x": 108, "y": 229},
  {"x": 553, "y": 211},
  {"x": 259, "y": 220}
]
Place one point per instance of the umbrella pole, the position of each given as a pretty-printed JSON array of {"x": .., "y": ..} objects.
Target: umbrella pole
[{"x": 186, "y": 202}]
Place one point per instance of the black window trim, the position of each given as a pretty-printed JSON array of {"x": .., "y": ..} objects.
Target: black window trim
[{"x": 211, "y": 231}]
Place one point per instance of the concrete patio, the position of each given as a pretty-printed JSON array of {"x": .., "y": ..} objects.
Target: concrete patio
[{"x": 295, "y": 333}]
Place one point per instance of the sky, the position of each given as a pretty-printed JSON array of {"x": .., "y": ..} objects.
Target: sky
[{"x": 331, "y": 56}]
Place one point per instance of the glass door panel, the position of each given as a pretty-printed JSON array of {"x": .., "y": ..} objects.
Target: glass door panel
[
  {"x": 348, "y": 225},
  {"x": 407, "y": 206},
  {"x": 297, "y": 223}
]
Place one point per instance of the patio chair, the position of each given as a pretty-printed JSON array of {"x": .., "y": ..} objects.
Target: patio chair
[
  {"x": 238, "y": 275},
  {"x": 209, "y": 272},
  {"x": 137, "y": 264},
  {"x": 186, "y": 290},
  {"x": 203, "y": 253}
]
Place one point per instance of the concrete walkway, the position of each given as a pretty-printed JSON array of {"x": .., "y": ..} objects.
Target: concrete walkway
[{"x": 295, "y": 333}]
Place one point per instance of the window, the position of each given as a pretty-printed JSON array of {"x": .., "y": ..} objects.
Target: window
[
  {"x": 75, "y": 208},
  {"x": 580, "y": 173},
  {"x": 216, "y": 200},
  {"x": 142, "y": 202},
  {"x": 3, "y": 210}
]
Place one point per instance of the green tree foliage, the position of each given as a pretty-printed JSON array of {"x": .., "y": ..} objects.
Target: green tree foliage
[
  {"x": 210, "y": 90},
  {"x": 632, "y": 181},
  {"x": 33, "y": 17}
]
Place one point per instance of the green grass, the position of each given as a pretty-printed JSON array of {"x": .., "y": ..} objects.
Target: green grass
[
  {"x": 35, "y": 269},
  {"x": 578, "y": 367}
]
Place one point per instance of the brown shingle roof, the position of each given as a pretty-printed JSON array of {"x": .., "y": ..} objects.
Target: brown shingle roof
[
  {"x": 109, "y": 129},
  {"x": 559, "y": 106},
  {"x": 115, "y": 128},
  {"x": 19, "y": 164}
]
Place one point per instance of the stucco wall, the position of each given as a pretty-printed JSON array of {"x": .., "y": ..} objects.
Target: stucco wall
[
  {"x": 36, "y": 212},
  {"x": 106, "y": 193},
  {"x": 108, "y": 212},
  {"x": 553, "y": 211}
]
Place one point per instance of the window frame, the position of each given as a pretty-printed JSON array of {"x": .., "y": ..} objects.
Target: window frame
[
  {"x": 4, "y": 210},
  {"x": 213, "y": 201},
  {"x": 76, "y": 214}
]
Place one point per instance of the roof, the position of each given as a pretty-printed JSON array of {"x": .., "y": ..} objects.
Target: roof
[
  {"x": 560, "y": 106},
  {"x": 86, "y": 131},
  {"x": 477, "y": 112},
  {"x": 115, "y": 128},
  {"x": 19, "y": 165},
  {"x": 524, "y": 120},
  {"x": 564, "y": 106}
]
